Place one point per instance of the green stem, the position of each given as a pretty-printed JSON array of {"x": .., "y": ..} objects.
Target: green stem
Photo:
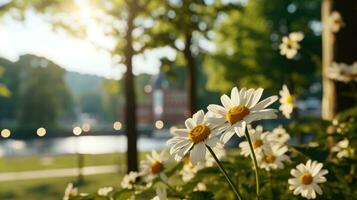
[
  {"x": 255, "y": 164},
  {"x": 220, "y": 166}
]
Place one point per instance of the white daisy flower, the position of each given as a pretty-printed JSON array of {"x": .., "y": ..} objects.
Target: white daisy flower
[
  {"x": 70, "y": 191},
  {"x": 306, "y": 179},
  {"x": 259, "y": 141},
  {"x": 220, "y": 153},
  {"x": 154, "y": 166},
  {"x": 243, "y": 107},
  {"x": 335, "y": 22},
  {"x": 129, "y": 180},
  {"x": 342, "y": 72},
  {"x": 290, "y": 44},
  {"x": 161, "y": 193},
  {"x": 189, "y": 170},
  {"x": 104, "y": 191},
  {"x": 200, "y": 187},
  {"x": 286, "y": 102},
  {"x": 272, "y": 158},
  {"x": 193, "y": 139},
  {"x": 343, "y": 149},
  {"x": 279, "y": 135}
]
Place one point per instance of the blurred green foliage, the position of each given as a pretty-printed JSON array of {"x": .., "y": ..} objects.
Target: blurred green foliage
[
  {"x": 247, "y": 42},
  {"x": 40, "y": 95}
]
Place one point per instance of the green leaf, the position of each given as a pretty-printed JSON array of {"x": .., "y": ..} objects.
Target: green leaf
[
  {"x": 123, "y": 194},
  {"x": 201, "y": 196}
]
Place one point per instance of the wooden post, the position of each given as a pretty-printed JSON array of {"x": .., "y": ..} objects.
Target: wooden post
[
  {"x": 328, "y": 87},
  {"x": 341, "y": 48}
]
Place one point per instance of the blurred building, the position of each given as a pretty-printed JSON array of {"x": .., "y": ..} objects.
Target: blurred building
[{"x": 161, "y": 103}]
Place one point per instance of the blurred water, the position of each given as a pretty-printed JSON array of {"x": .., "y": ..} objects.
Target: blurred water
[{"x": 70, "y": 145}]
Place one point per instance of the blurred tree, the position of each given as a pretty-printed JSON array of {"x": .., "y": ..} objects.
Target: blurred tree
[
  {"x": 121, "y": 20},
  {"x": 43, "y": 95},
  {"x": 185, "y": 26},
  {"x": 111, "y": 98}
]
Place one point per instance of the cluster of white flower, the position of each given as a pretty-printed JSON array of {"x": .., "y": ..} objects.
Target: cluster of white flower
[
  {"x": 202, "y": 142},
  {"x": 269, "y": 147},
  {"x": 290, "y": 44},
  {"x": 243, "y": 107},
  {"x": 342, "y": 72},
  {"x": 343, "y": 149}
]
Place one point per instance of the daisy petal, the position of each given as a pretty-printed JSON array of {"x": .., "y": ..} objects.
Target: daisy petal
[
  {"x": 265, "y": 103},
  {"x": 198, "y": 153},
  {"x": 226, "y": 102},
  {"x": 235, "y": 96}
]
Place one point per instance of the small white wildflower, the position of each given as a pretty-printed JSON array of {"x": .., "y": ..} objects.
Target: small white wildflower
[
  {"x": 290, "y": 44},
  {"x": 272, "y": 158},
  {"x": 104, "y": 191},
  {"x": 306, "y": 179},
  {"x": 70, "y": 191},
  {"x": 161, "y": 193},
  {"x": 342, "y": 72},
  {"x": 336, "y": 22},
  {"x": 286, "y": 102},
  {"x": 200, "y": 187},
  {"x": 154, "y": 166},
  {"x": 189, "y": 170},
  {"x": 343, "y": 149},
  {"x": 279, "y": 135},
  {"x": 129, "y": 180},
  {"x": 259, "y": 141}
]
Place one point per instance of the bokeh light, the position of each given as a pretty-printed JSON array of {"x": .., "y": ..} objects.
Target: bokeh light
[
  {"x": 77, "y": 130},
  {"x": 148, "y": 88},
  {"x": 159, "y": 124},
  {"x": 5, "y": 133},
  {"x": 41, "y": 132},
  {"x": 117, "y": 126}
]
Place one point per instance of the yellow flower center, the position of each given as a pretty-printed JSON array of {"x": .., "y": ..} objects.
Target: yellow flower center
[
  {"x": 257, "y": 143},
  {"x": 289, "y": 99},
  {"x": 269, "y": 158},
  {"x": 306, "y": 178},
  {"x": 290, "y": 44},
  {"x": 199, "y": 133},
  {"x": 237, "y": 113},
  {"x": 156, "y": 167}
]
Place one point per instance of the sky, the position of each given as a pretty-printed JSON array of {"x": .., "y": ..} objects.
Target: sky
[{"x": 35, "y": 36}]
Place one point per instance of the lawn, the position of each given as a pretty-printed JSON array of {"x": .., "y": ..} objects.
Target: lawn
[
  {"x": 15, "y": 164},
  {"x": 52, "y": 188}
]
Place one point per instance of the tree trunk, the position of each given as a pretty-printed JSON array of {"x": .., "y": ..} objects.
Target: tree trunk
[
  {"x": 130, "y": 99},
  {"x": 191, "y": 75},
  {"x": 329, "y": 91}
]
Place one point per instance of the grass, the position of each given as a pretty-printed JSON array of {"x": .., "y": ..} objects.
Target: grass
[
  {"x": 53, "y": 188},
  {"x": 16, "y": 164}
]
